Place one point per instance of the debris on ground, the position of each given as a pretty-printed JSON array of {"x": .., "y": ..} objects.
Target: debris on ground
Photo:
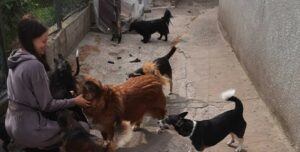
[
  {"x": 136, "y": 60},
  {"x": 110, "y": 62}
]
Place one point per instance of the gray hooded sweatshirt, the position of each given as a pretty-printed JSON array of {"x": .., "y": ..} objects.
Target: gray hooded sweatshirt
[{"x": 29, "y": 95}]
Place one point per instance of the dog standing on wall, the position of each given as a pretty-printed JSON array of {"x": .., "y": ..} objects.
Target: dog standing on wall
[
  {"x": 207, "y": 133},
  {"x": 147, "y": 28}
]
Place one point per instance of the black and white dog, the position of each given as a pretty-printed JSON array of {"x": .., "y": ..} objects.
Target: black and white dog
[
  {"x": 163, "y": 66},
  {"x": 146, "y": 28},
  {"x": 207, "y": 133}
]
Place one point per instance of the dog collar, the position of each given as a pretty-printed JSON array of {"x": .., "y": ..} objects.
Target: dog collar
[{"x": 193, "y": 130}]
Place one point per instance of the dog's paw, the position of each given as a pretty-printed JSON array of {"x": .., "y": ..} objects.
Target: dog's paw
[
  {"x": 145, "y": 41},
  {"x": 136, "y": 128},
  {"x": 160, "y": 130},
  {"x": 239, "y": 149}
]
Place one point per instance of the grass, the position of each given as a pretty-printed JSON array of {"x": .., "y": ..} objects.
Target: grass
[{"x": 46, "y": 15}]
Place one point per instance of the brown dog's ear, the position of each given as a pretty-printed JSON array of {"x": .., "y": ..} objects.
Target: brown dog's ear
[{"x": 92, "y": 88}]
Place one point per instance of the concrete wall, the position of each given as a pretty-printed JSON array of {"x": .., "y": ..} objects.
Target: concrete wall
[
  {"x": 265, "y": 35},
  {"x": 73, "y": 31}
]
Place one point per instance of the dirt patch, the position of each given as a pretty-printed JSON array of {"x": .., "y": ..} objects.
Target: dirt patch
[
  {"x": 117, "y": 52},
  {"x": 177, "y": 39},
  {"x": 86, "y": 50},
  {"x": 161, "y": 3},
  {"x": 98, "y": 39},
  {"x": 85, "y": 69}
]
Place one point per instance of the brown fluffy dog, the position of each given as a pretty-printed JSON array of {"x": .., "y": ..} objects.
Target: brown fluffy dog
[{"x": 129, "y": 101}]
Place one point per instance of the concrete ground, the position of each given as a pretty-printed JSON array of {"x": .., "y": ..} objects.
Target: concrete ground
[{"x": 203, "y": 67}]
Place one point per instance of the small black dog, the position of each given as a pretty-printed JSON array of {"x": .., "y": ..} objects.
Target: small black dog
[
  {"x": 163, "y": 65},
  {"x": 146, "y": 28},
  {"x": 76, "y": 138},
  {"x": 207, "y": 133},
  {"x": 62, "y": 83}
]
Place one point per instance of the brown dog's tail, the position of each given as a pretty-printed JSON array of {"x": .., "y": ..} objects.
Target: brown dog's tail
[{"x": 151, "y": 68}]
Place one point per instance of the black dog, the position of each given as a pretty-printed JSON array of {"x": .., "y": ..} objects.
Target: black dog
[
  {"x": 76, "y": 138},
  {"x": 63, "y": 83},
  {"x": 163, "y": 66},
  {"x": 207, "y": 133},
  {"x": 146, "y": 28}
]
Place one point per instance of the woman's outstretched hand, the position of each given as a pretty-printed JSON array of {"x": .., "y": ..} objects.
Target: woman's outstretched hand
[{"x": 80, "y": 101}]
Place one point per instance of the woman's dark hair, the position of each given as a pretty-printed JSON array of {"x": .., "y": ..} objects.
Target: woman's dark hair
[{"x": 28, "y": 30}]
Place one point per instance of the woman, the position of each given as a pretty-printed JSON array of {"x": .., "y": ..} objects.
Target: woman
[{"x": 28, "y": 91}]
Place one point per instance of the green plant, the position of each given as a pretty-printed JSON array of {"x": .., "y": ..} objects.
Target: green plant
[
  {"x": 45, "y": 14},
  {"x": 12, "y": 11}
]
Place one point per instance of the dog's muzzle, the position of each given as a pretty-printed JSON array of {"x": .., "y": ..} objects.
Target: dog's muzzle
[{"x": 163, "y": 125}]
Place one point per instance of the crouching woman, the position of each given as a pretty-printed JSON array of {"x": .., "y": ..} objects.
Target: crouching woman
[{"x": 29, "y": 94}]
